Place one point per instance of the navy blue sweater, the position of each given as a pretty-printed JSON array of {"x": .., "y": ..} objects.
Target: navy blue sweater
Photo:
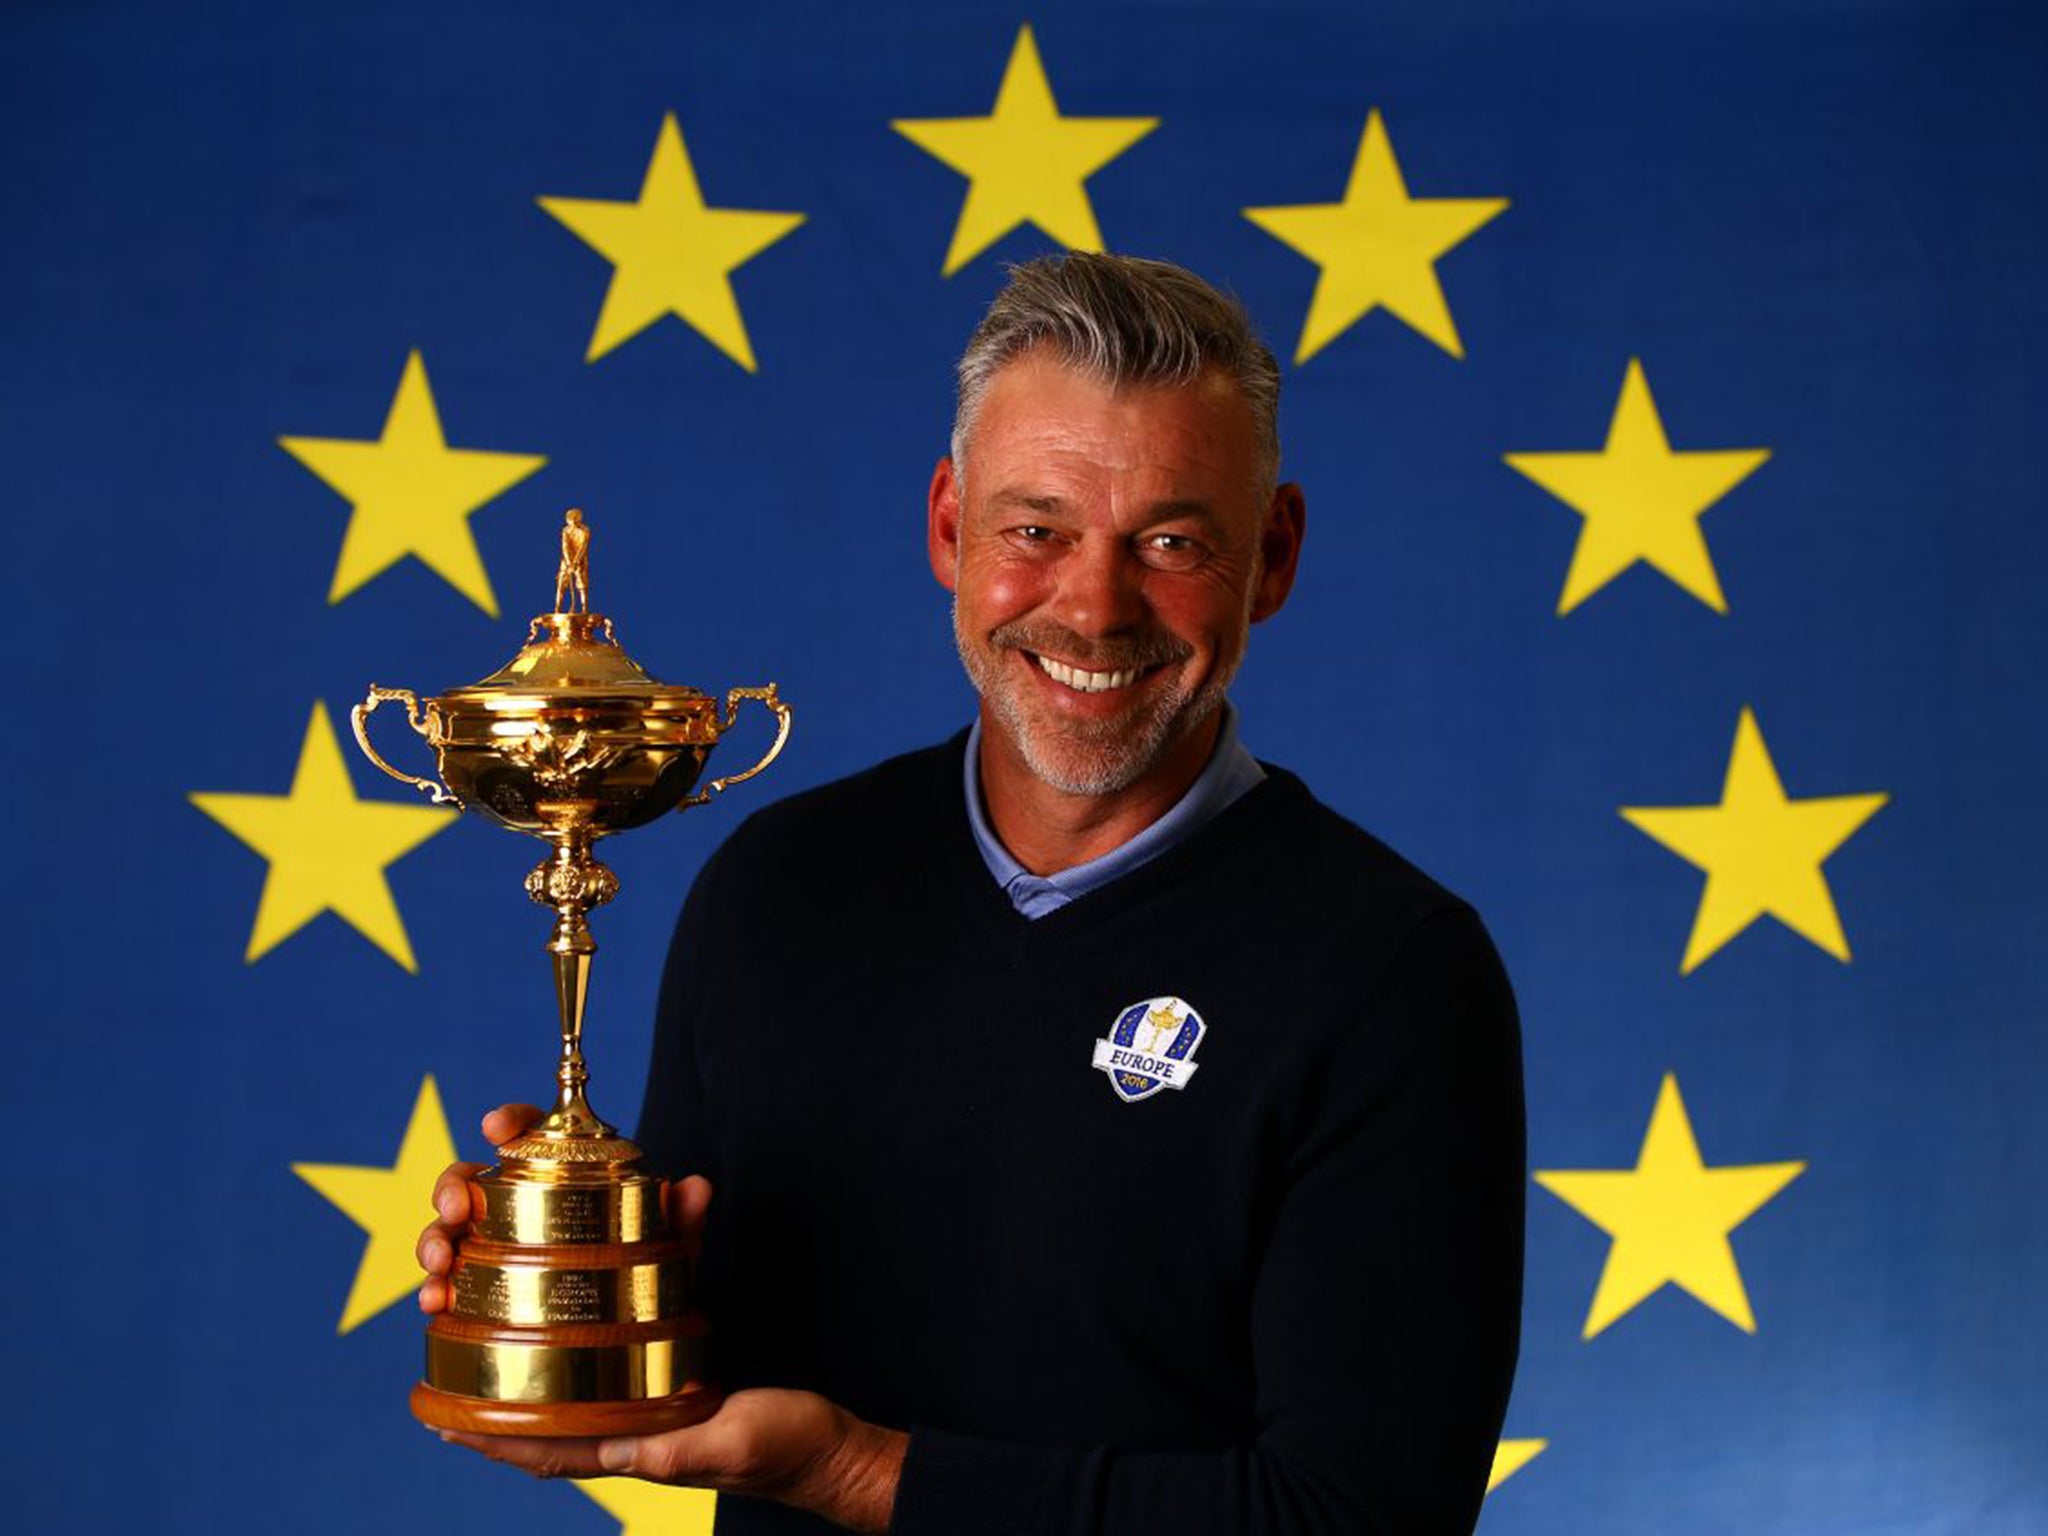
[{"x": 1281, "y": 1298}]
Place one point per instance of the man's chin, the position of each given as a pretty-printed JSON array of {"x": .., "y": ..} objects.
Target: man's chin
[
  {"x": 1104, "y": 756},
  {"x": 1073, "y": 770}
]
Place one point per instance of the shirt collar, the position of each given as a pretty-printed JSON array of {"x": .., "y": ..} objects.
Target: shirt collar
[{"x": 1230, "y": 771}]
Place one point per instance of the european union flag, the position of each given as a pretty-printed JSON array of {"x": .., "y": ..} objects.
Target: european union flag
[{"x": 1663, "y": 380}]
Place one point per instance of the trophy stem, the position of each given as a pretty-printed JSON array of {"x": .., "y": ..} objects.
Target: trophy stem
[
  {"x": 571, "y": 949},
  {"x": 571, "y": 880}
]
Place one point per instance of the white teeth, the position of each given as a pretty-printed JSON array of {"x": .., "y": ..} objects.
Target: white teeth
[{"x": 1087, "y": 682}]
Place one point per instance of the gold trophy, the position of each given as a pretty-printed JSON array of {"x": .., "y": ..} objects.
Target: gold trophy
[{"x": 569, "y": 1311}]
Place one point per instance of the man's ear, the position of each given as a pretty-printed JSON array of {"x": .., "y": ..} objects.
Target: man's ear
[
  {"x": 942, "y": 524},
  {"x": 1279, "y": 550}
]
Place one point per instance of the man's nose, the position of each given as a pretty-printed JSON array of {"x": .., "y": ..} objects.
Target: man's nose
[{"x": 1099, "y": 590}]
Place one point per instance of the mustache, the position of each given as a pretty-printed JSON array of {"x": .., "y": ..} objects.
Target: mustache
[{"x": 1149, "y": 648}]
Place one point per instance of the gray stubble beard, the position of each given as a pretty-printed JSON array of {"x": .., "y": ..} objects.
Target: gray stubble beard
[{"x": 1126, "y": 750}]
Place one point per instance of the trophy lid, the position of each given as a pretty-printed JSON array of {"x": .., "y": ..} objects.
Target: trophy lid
[
  {"x": 571, "y": 654},
  {"x": 572, "y": 651}
]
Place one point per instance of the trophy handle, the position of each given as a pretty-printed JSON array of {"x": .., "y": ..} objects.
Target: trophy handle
[
  {"x": 358, "y": 718},
  {"x": 733, "y": 699}
]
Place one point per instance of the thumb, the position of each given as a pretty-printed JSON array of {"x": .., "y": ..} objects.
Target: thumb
[
  {"x": 689, "y": 1200},
  {"x": 659, "y": 1458},
  {"x": 508, "y": 1121},
  {"x": 618, "y": 1455}
]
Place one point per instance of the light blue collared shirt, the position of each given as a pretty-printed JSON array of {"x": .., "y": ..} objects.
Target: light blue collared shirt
[{"x": 1230, "y": 772}]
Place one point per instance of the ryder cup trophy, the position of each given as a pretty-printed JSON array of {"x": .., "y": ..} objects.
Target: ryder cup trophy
[{"x": 569, "y": 1311}]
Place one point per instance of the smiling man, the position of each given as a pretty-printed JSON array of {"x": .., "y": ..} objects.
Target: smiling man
[{"x": 1108, "y": 1138}]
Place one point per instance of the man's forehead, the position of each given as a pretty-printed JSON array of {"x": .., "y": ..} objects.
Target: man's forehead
[{"x": 1043, "y": 409}]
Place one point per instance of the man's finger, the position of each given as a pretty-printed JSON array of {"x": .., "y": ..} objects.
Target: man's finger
[
  {"x": 451, "y": 1192},
  {"x": 434, "y": 1295},
  {"x": 435, "y": 1251},
  {"x": 687, "y": 1456},
  {"x": 625, "y": 1455},
  {"x": 542, "y": 1456},
  {"x": 688, "y": 1201},
  {"x": 508, "y": 1121}
]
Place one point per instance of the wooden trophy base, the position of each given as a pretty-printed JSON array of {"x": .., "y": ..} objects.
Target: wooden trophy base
[{"x": 483, "y": 1416}]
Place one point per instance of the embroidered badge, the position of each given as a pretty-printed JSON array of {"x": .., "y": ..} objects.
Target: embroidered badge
[{"x": 1151, "y": 1046}]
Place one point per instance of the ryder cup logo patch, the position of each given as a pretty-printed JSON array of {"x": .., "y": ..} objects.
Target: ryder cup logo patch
[{"x": 1151, "y": 1046}]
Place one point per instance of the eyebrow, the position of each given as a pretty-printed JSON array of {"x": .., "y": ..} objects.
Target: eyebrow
[
  {"x": 1014, "y": 496},
  {"x": 1047, "y": 505},
  {"x": 1187, "y": 506}
]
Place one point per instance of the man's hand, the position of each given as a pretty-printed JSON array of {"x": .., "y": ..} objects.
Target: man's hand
[
  {"x": 794, "y": 1447},
  {"x": 436, "y": 1247}
]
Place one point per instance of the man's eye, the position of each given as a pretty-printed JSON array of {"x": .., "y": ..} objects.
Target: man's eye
[{"x": 1170, "y": 552}]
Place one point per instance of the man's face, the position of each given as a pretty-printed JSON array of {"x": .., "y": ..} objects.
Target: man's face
[{"x": 1107, "y": 555}]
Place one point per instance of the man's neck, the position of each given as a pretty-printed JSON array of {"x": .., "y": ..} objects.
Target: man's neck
[{"x": 1048, "y": 830}]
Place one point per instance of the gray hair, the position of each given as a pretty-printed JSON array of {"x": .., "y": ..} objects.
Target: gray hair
[{"x": 1124, "y": 320}]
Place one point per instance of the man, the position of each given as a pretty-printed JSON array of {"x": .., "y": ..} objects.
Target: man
[{"x": 1108, "y": 1138}]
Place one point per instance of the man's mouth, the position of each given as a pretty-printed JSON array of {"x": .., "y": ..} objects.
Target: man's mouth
[{"x": 1083, "y": 681}]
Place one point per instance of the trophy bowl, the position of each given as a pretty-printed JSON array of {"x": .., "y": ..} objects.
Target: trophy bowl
[
  {"x": 569, "y": 1308},
  {"x": 569, "y": 730}
]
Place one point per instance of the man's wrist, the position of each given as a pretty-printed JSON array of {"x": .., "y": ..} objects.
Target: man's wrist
[{"x": 855, "y": 1482}]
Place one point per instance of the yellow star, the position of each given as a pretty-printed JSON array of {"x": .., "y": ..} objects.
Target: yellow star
[
  {"x": 1762, "y": 851},
  {"x": 670, "y": 254},
  {"x": 1377, "y": 248},
  {"x": 411, "y": 494},
  {"x": 1510, "y": 1457},
  {"x": 1640, "y": 501},
  {"x": 1670, "y": 1217},
  {"x": 391, "y": 1204},
  {"x": 1024, "y": 162},
  {"x": 327, "y": 849},
  {"x": 652, "y": 1509}
]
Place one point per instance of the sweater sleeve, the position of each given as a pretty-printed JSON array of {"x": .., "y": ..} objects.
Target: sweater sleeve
[
  {"x": 671, "y": 1128},
  {"x": 1385, "y": 1317}
]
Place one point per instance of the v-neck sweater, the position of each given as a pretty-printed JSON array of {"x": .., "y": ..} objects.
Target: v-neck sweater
[{"x": 1282, "y": 1296}]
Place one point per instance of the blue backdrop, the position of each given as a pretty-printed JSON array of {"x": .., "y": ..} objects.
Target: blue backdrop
[{"x": 1807, "y": 1299}]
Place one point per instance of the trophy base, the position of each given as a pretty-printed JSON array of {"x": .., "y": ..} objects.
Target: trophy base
[
  {"x": 486, "y": 1416},
  {"x": 568, "y": 1309}
]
